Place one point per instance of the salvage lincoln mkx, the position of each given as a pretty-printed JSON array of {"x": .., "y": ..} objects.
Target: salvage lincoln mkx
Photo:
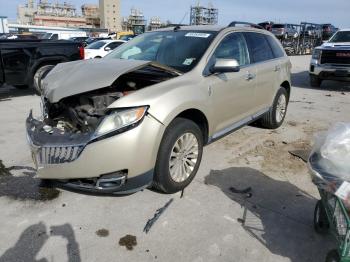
[{"x": 141, "y": 115}]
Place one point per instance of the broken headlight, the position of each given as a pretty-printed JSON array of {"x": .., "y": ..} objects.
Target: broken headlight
[{"x": 121, "y": 119}]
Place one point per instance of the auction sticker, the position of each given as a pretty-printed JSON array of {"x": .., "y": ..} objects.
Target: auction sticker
[
  {"x": 343, "y": 191},
  {"x": 201, "y": 35}
]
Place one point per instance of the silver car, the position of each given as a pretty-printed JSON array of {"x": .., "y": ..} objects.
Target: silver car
[{"x": 141, "y": 115}]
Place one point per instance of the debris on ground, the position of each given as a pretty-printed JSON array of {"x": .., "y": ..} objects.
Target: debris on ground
[
  {"x": 102, "y": 232},
  {"x": 302, "y": 154},
  {"x": 158, "y": 213},
  {"x": 128, "y": 241},
  {"x": 3, "y": 170}
]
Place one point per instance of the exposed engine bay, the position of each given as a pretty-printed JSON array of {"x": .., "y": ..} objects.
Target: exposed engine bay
[{"x": 82, "y": 113}]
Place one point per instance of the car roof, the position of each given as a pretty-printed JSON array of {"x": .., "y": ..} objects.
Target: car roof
[
  {"x": 344, "y": 29},
  {"x": 213, "y": 28}
]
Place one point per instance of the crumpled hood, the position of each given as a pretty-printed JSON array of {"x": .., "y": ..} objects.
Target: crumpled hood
[{"x": 78, "y": 77}]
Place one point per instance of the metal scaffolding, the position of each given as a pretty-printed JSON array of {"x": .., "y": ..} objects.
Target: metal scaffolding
[{"x": 201, "y": 15}]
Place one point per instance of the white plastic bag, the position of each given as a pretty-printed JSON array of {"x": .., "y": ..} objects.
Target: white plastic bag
[{"x": 336, "y": 149}]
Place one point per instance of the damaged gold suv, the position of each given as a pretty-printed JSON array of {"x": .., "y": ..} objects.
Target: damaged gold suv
[{"x": 141, "y": 115}]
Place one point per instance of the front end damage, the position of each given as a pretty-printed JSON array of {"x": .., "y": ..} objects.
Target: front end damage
[{"x": 69, "y": 148}]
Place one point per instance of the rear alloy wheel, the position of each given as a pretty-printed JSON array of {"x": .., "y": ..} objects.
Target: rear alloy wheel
[
  {"x": 275, "y": 116},
  {"x": 179, "y": 156},
  {"x": 315, "y": 81}
]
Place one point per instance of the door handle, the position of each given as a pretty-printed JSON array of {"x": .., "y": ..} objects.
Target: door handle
[
  {"x": 249, "y": 76},
  {"x": 277, "y": 68}
]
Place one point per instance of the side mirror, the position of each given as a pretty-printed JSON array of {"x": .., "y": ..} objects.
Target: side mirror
[
  {"x": 108, "y": 49},
  {"x": 225, "y": 66}
]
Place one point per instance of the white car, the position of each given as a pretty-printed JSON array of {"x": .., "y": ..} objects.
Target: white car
[{"x": 101, "y": 48}]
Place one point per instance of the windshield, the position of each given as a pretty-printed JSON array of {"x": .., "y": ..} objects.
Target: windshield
[
  {"x": 46, "y": 36},
  {"x": 96, "y": 45},
  {"x": 181, "y": 50},
  {"x": 341, "y": 36}
]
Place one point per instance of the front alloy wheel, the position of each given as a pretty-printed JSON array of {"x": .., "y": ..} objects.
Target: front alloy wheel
[
  {"x": 281, "y": 108},
  {"x": 183, "y": 157},
  {"x": 179, "y": 156}
]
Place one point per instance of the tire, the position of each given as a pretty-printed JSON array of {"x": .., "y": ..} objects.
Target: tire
[
  {"x": 170, "y": 174},
  {"x": 321, "y": 224},
  {"x": 39, "y": 75},
  {"x": 315, "y": 81},
  {"x": 333, "y": 256},
  {"x": 270, "y": 119}
]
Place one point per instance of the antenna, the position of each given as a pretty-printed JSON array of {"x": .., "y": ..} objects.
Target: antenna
[{"x": 183, "y": 18}]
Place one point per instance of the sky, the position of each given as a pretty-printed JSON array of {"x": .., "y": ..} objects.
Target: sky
[{"x": 289, "y": 11}]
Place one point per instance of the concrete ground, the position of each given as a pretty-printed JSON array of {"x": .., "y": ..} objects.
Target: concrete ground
[{"x": 51, "y": 225}]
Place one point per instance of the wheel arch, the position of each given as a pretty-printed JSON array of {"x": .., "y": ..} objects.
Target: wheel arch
[
  {"x": 287, "y": 86},
  {"x": 43, "y": 62},
  {"x": 199, "y": 118}
]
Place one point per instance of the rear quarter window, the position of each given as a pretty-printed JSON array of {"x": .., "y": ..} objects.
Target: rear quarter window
[
  {"x": 259, "y": 47},
  {"x": 276, "y": 48}
]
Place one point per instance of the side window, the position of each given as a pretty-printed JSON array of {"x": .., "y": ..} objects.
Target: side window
[
  {"x": 259, "y": 47},
  {"x": 54, "y": 37},
  {"x": 276, "y": 48},
  {"x": 114, "y": 45},
  {"x": 233, "y": 46}
]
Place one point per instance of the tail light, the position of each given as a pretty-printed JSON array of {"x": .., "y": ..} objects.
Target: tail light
[{"x": 81, "y": 52}]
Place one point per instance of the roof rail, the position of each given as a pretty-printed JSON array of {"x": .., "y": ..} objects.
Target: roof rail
[{"x": 235, "y": 23}]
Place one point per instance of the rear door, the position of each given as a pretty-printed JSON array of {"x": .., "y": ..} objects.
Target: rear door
[
  {"x": 267, "y": 69},
  {"x": 232, "y": 94},
  {"x": 15, "y": 62}
]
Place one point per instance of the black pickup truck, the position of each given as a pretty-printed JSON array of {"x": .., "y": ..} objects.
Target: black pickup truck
[{"x": 23, "y": 62}]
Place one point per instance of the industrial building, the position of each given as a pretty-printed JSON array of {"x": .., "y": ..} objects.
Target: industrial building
[
  {"x": 45, "y": 13},
  {"x": 135, "y": 21},
  {"x": 155, "y": 23},
  {"x": 91, "y": 14},
  {"x": 110, "y": 15},
  {"x": 201, "y": 15}
]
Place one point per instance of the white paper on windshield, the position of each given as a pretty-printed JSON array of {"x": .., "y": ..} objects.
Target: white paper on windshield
[
  {"x": 201, "y": 35},
  {"x": 188, "y": 61},
  {"x": 343, "y": 191}
]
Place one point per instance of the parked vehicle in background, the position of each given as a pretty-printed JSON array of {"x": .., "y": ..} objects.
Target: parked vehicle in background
[
  {"x": 141, "y": 115},
  {"x": 267, "y": 25},
  {"x": 23, "y": 62},
  {"x": 314, "y": 31},
  {"x": 331, "y": 61},
  {"x": 284, "y": 31},
  {"x": 127, "y": 37},
  {"x": 79, "y": 39},
  {"x": 328, "y": 30},
  {"x": 91, "y": 40},
  {"x": 101, "y": 48},
  {"x": 62, "y": 35}
]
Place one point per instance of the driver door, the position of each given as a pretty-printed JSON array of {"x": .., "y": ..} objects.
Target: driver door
[{"x": 232, "y": 93}]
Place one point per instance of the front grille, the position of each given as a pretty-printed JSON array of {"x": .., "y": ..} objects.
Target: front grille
[
  {"x": 58, "y": 155},
  {"x": 341, "y": 57}
]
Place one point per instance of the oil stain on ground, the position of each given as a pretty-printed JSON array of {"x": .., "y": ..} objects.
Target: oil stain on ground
[
  {"x": 128, "y": 241},
  {"x": 23, "y": 185},
  {"x": 102, "y": 232}
]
